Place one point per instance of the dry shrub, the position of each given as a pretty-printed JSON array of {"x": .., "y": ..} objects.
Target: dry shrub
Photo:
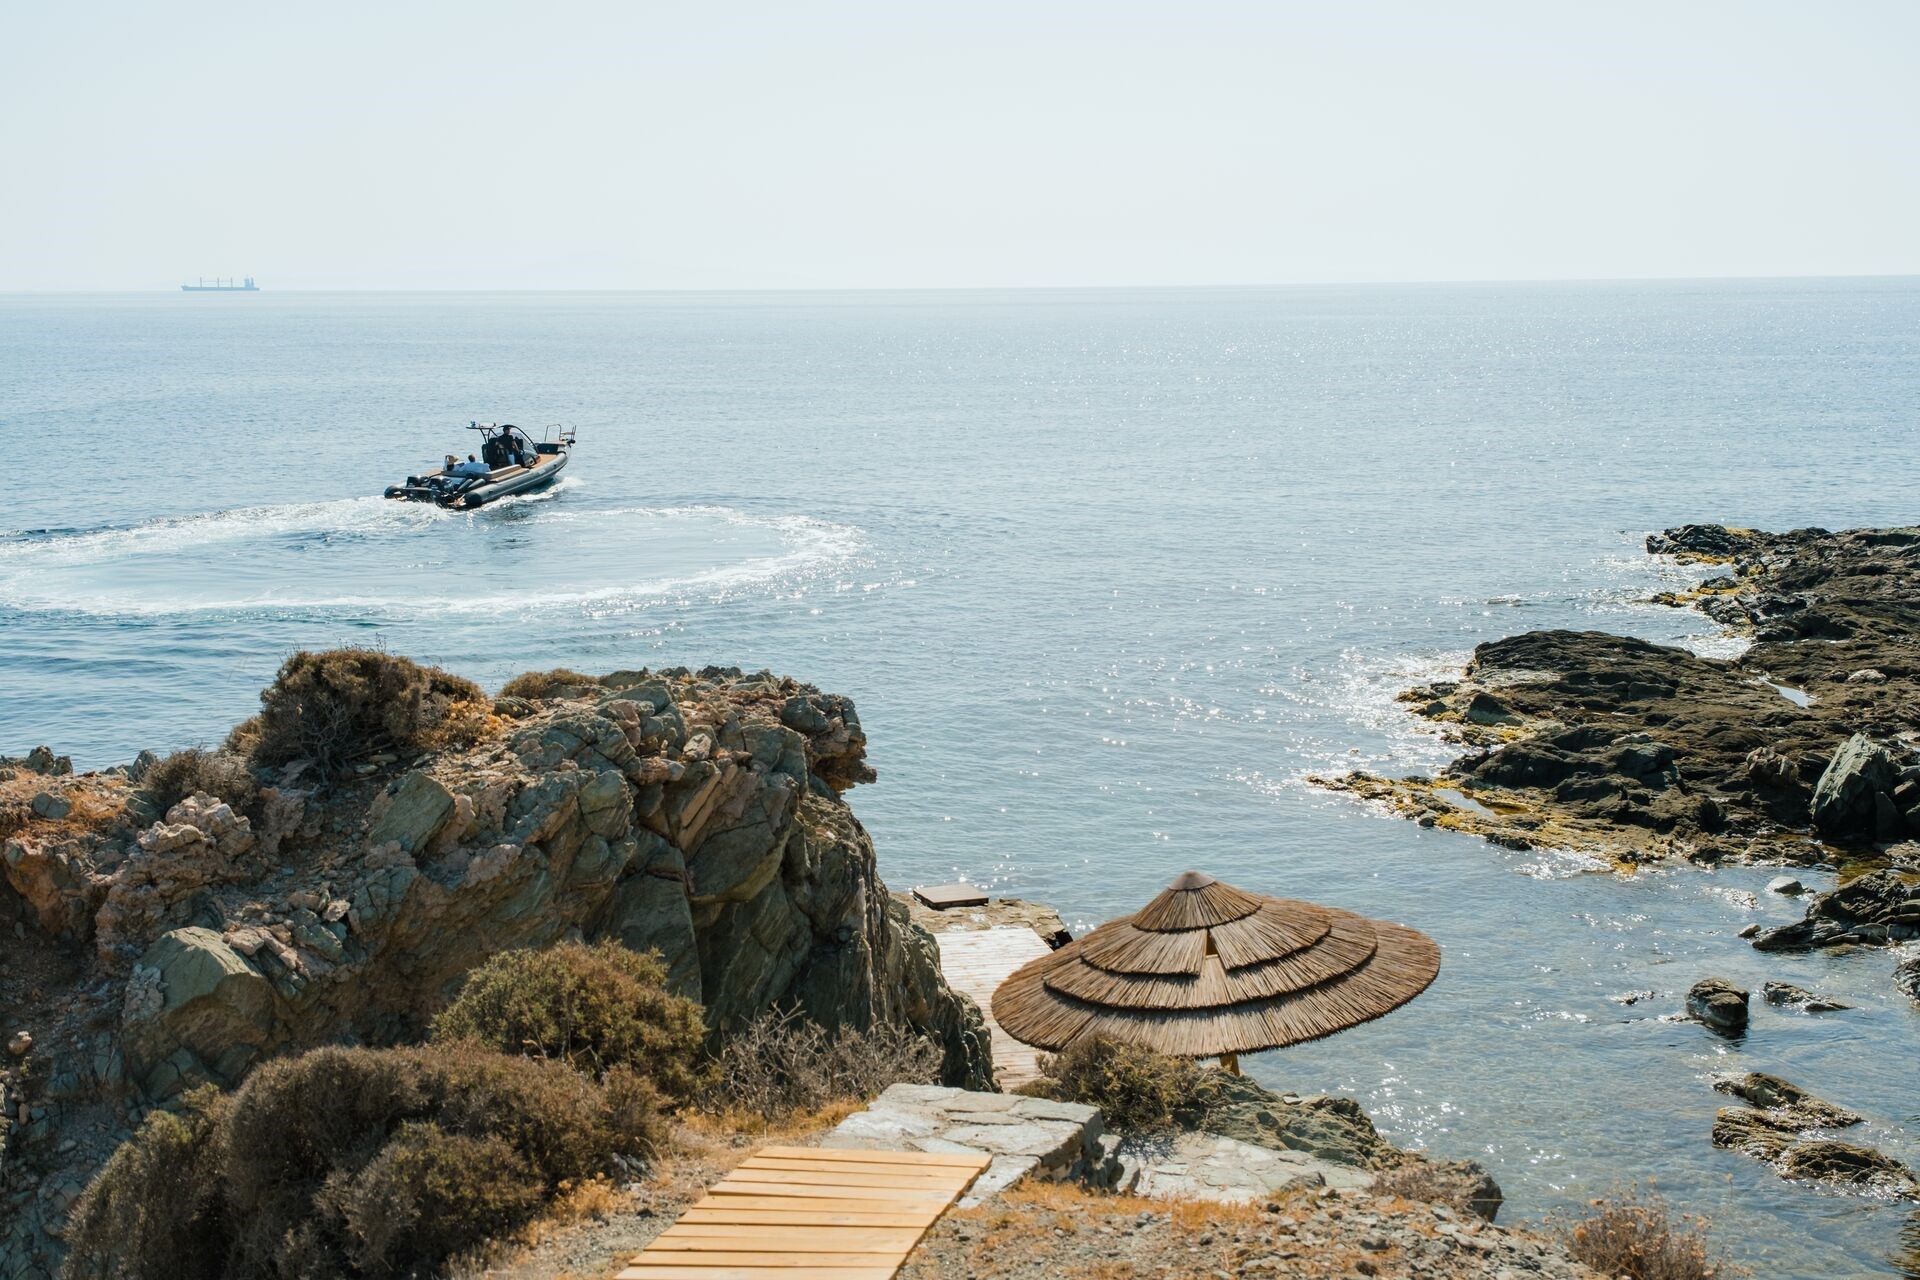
[
  {"x": 219, "y": 774},
  {"x": 1136, "y": 1088},
  {"x": 782, "y": 1063},
  {"x": 335, "y": 706},
  {"x": 557, "y": 683},
  {"x": 368, "y": 1162},
  {"x": 428, "y": 1194},
  {"x": 1636, "y": 1237},
  {"x": 154, "y": 1209},
  {"x": 1461, "y": 1184},
  {"x": 597, "y": 1008}
]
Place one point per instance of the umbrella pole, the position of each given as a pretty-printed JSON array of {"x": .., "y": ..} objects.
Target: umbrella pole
[{"x": 1230, "y": 1063}]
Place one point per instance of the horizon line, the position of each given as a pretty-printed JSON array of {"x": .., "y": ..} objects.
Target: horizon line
[{"x": 997, "y": 288}]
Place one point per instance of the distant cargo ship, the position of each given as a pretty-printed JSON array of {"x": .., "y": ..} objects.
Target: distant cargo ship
[{"x": 221, "y": 286}]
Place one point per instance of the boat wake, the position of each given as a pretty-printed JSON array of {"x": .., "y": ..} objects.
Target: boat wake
[{"x": 371, "y": 554}]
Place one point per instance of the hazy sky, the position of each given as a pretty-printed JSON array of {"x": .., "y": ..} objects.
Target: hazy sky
[{"x": 625, "y": 145}]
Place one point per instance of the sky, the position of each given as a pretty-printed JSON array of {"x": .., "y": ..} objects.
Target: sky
[{"x": 582, "y": 145}]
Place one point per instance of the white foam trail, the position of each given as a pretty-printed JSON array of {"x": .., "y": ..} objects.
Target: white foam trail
[
  {"x": 32, "y": 562},
  {"x": 29, "y": 550}
]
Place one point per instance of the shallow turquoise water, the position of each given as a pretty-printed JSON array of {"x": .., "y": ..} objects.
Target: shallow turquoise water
[{"x": 1108, "y": 574}]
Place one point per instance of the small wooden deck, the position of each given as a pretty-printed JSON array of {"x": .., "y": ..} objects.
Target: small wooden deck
[
  {"x": 802, "y": 1213},
  {"x": 977, "y": 962}
]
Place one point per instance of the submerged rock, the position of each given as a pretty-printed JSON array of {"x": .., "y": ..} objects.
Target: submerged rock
[
  {"x": 1906, "y": 978},
  {"x": 1785, "y": 993},
  {"x": 1781, "y": 1132},
  {"x": 1787, "y": 1101},
  {"x": 1719, "y": 1004}
]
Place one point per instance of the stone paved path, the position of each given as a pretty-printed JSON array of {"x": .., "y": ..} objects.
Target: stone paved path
[{"x": 1023, "y": 1135}]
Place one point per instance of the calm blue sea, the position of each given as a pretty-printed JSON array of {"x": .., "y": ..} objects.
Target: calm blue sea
[{"x": 1108, "y": 574}]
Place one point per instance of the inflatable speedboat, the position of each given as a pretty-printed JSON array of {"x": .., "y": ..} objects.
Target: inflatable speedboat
[{"x": 508, "y": 463}]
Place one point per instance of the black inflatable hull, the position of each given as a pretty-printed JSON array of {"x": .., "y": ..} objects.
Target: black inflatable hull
[{"x": 530, "y": 481}]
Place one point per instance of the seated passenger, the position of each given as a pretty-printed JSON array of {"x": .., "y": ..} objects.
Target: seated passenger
[{"x": 471, "y": 467}]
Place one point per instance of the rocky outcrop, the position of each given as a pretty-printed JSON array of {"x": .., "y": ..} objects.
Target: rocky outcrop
[
  {"x": 1333, "y": 1130},
  {"x": 1632, "y": 751},
  {"x": 1719, "y": 1004},
  {"x": 1906, "y": 978},
  {"x": 1875, "y": 909},
  {"x": 698, "y": 814},
  {"x": 999, "y": 913},
  {"x": 1783, "y": 1129}
]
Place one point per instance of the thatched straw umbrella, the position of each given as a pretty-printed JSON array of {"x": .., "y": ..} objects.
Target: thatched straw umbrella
[{"x": 1206, "y": 969}]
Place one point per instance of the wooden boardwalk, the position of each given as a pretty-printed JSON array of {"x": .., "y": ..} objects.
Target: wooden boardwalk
[
  {"x": 802, "y": 1213},
  {"x": 977, "y": 961}
]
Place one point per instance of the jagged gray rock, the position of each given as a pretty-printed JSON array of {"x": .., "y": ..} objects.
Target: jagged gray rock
[
  {"x": 696, "y": 813},
  {"x": 1848, "y": 798}
]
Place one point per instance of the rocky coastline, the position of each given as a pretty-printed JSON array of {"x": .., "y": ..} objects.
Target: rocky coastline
[
  {"x": 1799, "y": 752},
  {"x": 700, "y": 814}
]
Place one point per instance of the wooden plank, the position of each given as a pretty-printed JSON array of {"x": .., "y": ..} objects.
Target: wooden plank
[
  {"x": 890, "y": 1195},
  {"x": 824, "y": 1204},
  {"x": 770, "y": 1258},
  {"x": 977, "y": 961},
  {"x": 822, "y": 1239},
  {"x": 796, "y": 1213},
  {"x": 843, "y": 1178},
  {"x": 957, "y": 1159},
  {"x": 709, "y": 1213},
  {"x": 682, "y": 1272}
]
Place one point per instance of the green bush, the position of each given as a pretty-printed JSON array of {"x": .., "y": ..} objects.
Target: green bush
[
  {"x": 220, "y": 774},
  {"x": 1135, "y": 1088},
  {"x": 547, "y": 684},
  {"x": 355, "y": 1162},
  {"x": 595, "y": 1007},
  {"x": 154, "y": 1209},
  {"x": 338, "y": 705}
]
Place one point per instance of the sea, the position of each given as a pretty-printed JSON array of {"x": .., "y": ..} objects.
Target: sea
[{"x": 1109, "y": 575}]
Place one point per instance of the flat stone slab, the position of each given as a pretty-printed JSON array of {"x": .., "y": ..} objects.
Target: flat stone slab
[
  {"x": 1024, "y": 1136},
  {"x": 1207, "y": 1166},
  {"x": 945, "y": 897}
]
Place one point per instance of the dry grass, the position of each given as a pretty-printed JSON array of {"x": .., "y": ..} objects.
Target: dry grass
[
  {"x": 794, "y": 1127},
  {"x": 1068, "y": 1205},
  {"x": 782, "y": 1063},
  {"x": 1633, "y": 1235}
]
